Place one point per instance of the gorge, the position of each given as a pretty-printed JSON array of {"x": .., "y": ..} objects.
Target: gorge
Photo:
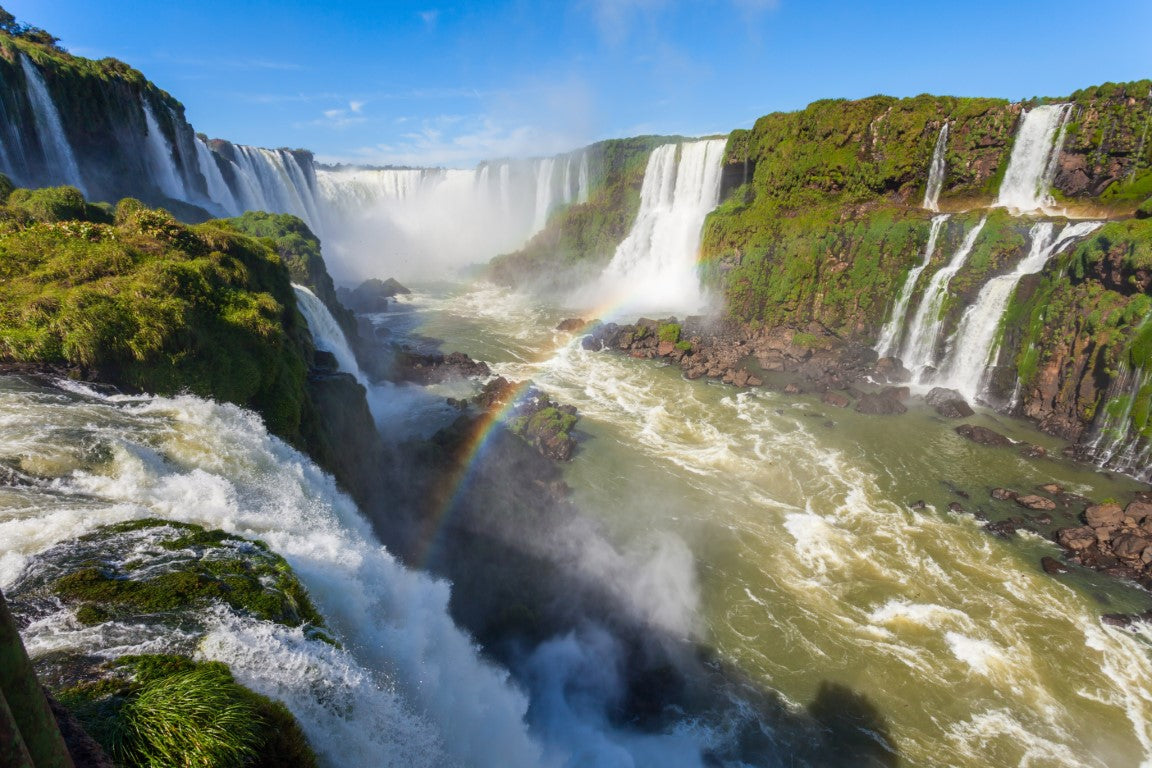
[{"x": 769, "y": 546}]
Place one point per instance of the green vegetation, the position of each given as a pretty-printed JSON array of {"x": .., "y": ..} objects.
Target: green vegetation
[
  {"x": 146, "y": 302},
  {"x": 669, "y": 332},
  {"x": 187, "y": 567},
  {"x": 1111, "y": 125},
  {"x": 584, "y": 236},
  {"x": 158, "y": 711}
]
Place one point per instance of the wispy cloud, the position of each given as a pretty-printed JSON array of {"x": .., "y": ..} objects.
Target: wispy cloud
[
  {"x": 343, "y": 117},
  {"x": 430, "y": 18}
]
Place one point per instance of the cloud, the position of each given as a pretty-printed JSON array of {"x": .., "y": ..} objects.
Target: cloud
[
  {"x": 430, "y": 18},
  {"x": 343, "y": 117}
]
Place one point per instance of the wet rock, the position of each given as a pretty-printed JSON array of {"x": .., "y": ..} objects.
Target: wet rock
[
  {"x": 435, "y": 368},
  {"x": 791, "y": 389},
  {"x": 1053, "y": 566},
  {"x": 880, "y": 405},
  {"x": 956, "y": 507},
  {"x": 1037, "y": 502},
  {"x": 740, "y": 378},
  {"x": 1053, "y": 488},
  {"x": 665, "y": 348},
  {"x": 1044, "y": 519},
  {"x": 1030, "y": 451},
  {"x": 1129, "y": 546},
  {"x": 1004, "y": 494},
  {"x": 372, "y": 295},
  {"x": 1076, "y": 539},
  {"x": 918, "y": 504},
  {"x": 571, "y": 325},
  {"x": 324, "y": 362},
  {"x": 982, "y": 435},
  {"x": 1138, "y": 511},
  {"x": 1101, "y": 515},
  {"x": 892, "y": 369},
  {"x": 949, "y": 403},
  {"x": 836, "y": 399},
  {"x": 1005, "y": 528},
  {"x": 896, "y": 393},
  {"x": 1125, "y": 620}
]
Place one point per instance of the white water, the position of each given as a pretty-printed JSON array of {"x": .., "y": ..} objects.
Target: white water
[
  {"x": 159, "y": 155},
  {"x": 582, "y": 179},
  {"x": 654, "y": 268},
  {"x": 272, "y": 180},
  {"x": 1117, "y": 441},
  {"x": 326, "y": 332},
  {"x": 973, "y": 348},
  {"x": 218, "y": 190},
  {"x": 920, "y": 347},
  {"x": 890, "y": 334},
  {"x": 936, "y": 171},
  {"x": 1033, "y": 163},
  {"x": 407, "y": 689},
  {"x": 544, "y": 193},
  {"x": 57, "y": 151}
]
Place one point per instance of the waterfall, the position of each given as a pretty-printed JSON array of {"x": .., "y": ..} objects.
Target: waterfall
[
  {"x": 505, "y": 187},
  {"x": 1121, "y": 438},
  {"x": 1035, "y": 156},
  {"x": 890, "y": 334},
  {"x": 567, "y": 189},
  {"x": 544, "y": 193},
  {"x": 974, "y": 345},
  {"x": 582, "y": 179},
  {"x": 936, "y": 172},
  {"x": 218, "y": 191},
  {"x": 159, "y": 154},
  {"x": 920, "y": 347},
  {"x": 656, "y": 263},
  {"x": 272, "y": 180},
  {"x": 326, "y": 332},
  {"x": 60, "y": 163}
]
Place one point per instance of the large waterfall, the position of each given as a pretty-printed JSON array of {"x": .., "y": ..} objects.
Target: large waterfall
[
  {"x": 973, "y": 346},
  {"x": 919, "y": 352},
  {"x": 890, "y": 335},
  {"x": 326, "y": 332},
  {"x": 1035, "y": 155},
  {"x": 159, "y": 153},
  {"x": 936, "y": 172},
  {"x": 49, "y": 130},
  {"x": 654, "y": 268}
]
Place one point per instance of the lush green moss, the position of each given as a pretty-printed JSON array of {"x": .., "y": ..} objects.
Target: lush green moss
[
  {"x": 151, "y": 304},
  {"x": 669, "y": 332},
  {"x": 162, "y": 710}
]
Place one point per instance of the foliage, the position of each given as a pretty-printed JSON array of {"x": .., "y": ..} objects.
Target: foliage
[{"x": 669, "y": 332}]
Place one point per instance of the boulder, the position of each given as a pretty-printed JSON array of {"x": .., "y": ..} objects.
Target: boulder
[
  {"x": 982, "y": 435},
  {"x": 1103, "y": 515},
  {"x": 891, "y": 369},
  {"x": 1030, "y": 451},
  {"x": 1053, "y": 566},
  {"x": 665, "y": 348},
  {"x": 1076, "y": 539},
  {"x": 1004, "y": 494},
  {"x": 372, "y": 295},
  {"x": 1053, "y": 488},
  {"x": 571, "y": 325},
  {"x": 880, "y": 405},
  {"x": 949, "y": 403},
  {"x": 896, "y": 393},
  {"x": 1138, "y": 511},
  {"x": 1130, "y": 546},
  {"x": 836, "y": 399},
  {"x": 1033, "y": 501}
]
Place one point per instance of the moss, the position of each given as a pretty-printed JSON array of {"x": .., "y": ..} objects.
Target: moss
[
  {"x": 161, "y": 710},
  {"x": 669, "y": 332},
  {"x": 55, "y": 204}
]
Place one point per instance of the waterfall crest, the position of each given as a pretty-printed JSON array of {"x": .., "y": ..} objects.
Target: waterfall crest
[
  {"x": 936, "y": 171},
  {"x": 326, "y": 332},
  {"x": 1035, "y": 154}
]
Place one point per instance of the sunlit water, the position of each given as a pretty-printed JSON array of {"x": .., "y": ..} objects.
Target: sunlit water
[{"x": 814, "y": 567}]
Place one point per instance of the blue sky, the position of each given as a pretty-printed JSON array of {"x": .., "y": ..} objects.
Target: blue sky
[{"x": 428, "y": 83}]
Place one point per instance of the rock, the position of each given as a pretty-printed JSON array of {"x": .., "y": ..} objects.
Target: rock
[
  {"x": 1053, "y": 488},
  {"x": 324, "y": 362},
  {"x": 571, "y": 325},
  {"x": 982, "y": 435},
  {"x": 740, "y": 378},
  {"x": 949, "y": 403},
  {"x": 880, "y": 405},
  {"x": 1076, "y": 539},
  {"x": 665, "y": 348},
  {"x": 591, "y": 343},
  {"x": 372, "y": 295},
  {"x": 1125, "y": 620},
  {"x": 918, "y": 504},
  {"x": 1130, "y": 546},
  {"x": 891, "y": 369},
  {"x": 1033, "y": 501},
  {"x": 1030, "y": 451},
  {"x": 1101, "y": 515},
  {"x": 1004, "y": 494},
  {"x": 955, "y": 506},
  {"x": 1138, "y": 511},
  {"x": 791, "y": 389},
  {"x": 836, "y": 399},
  {"x": 1044, "y": 519},
  {"x": 755, "y": 381},
  {"x": 1007, "y": 527},
  {"x": 896, "y": 393},
  {"x": 1053, "y": 566}
]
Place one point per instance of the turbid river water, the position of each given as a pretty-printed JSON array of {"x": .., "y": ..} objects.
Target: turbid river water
[{"x": 812, "y": 565}]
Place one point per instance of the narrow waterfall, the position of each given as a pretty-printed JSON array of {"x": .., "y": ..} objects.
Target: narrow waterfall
[
  {"x": 919, "y": 351},
  {"x": 326, "y": 332},
  {"x": 655, "y": 266},
  {"x": 567, "y": 188},
  {"x": 544, "y": 193},
  {"x": 973, "y": 349},
  {"x": 1121, "y": 438},
  {"x": 60, "y": 164},
  {"x": 890, "y": 335},
  {"x": 1035, "y": 154},
  {"x": 582, "y": 182},
  {"x": 218, "y": 190},
  {"x": 936, "y": 171},
  {"x": 159, "y": 155}
]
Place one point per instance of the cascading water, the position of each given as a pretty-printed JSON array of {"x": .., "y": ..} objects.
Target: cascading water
[
  {"x": 406, "y": 687},
  {"x": 326, "y": 332},
  {"x": 655, "y": 266},
  {"x": 582, "y": 179},
  {"x": 1121, "y": 438},
  {"x": 218, "y": 190},
  {"x": 890, "y": 335},
  {"x": 1034, "y": 159},
  {"x": 544, "y": 193},
  {"x": 58, "y": 158},
  {"x": 920, "y": 347},
  {"x": 159, "y": 153},
  {"x": 936, "y": 172},
  {"x": 272, "y": 180},
  {"x": 973, "y": 348}
]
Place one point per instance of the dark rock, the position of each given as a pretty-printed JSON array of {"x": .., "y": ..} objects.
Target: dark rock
[
  {"x": 1125, "y": 620},
  {"x": 1103, "y": 515},
  {"x": 982, "y": 435},
  {"x": 918, "y": 504},
  {"x": 955, "y": 506},
  {"x": 1005, "y": 528},
  {"x": 836, "y": 399},
  {"x": 896, "y": 393},
  {"x": 1004, "y": 494},
  {"x": 949, "y": 403},
  {"x": 1033, "y": 501},
  {"x": 1030, "y": 451},
  {"x": 1130, "y": 545},
  {"x": 892, "y": 370},
  {"x": 571, "y": 325},
  {"x": 1053, "y": 566},
  {"x": 372, "y": 295},
  {"x": 324, "y": 362},
  {"x": 880, "y": 405},
  {"x": 435, "y": 368},
  {"x": 1076, "y": 539}
]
